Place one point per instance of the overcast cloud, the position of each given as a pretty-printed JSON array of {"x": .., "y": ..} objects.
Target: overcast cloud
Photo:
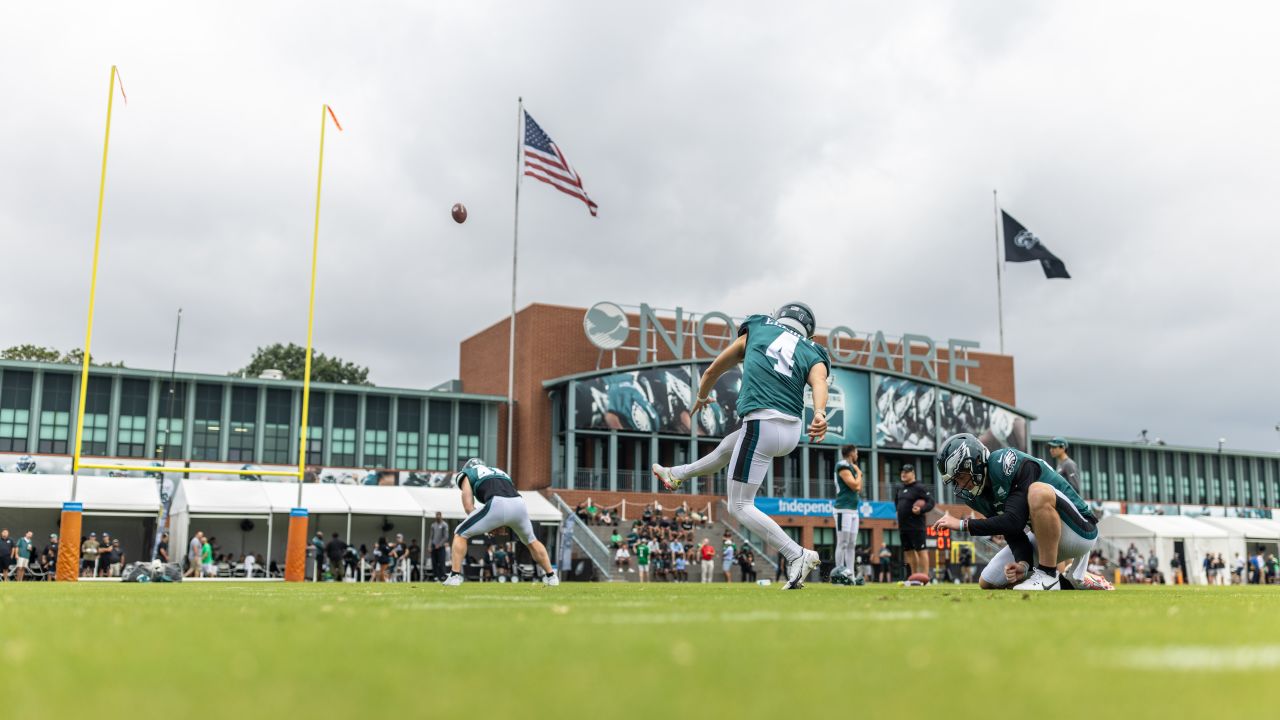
[{"x": 742, "y": 155}]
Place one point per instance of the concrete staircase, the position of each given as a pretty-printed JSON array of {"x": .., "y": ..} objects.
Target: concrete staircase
[{"x": 714, "y": 533}]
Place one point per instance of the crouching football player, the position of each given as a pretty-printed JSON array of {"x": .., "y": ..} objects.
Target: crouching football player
[
  {"x": 503, "y": 507},
  {"x": 1043, "y": 520}
]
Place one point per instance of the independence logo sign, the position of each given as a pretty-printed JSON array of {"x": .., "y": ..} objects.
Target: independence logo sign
[{"x": 821, "y": 508}]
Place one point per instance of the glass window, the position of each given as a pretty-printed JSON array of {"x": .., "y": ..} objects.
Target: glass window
[
  {"x": 470, "y": 419},
  {"x": 207, "y": 425},
  {"x": 1202, "y": 495},
  {"x": 171, "y": 413},
  {"x": 408, "y": 433},
  {"x": 131, "y": 423},
  {"x": 275, "y": 428},
  {"x": 342, "y": 447},
  {"x": 97, "y": 410},
  {"x": 824, "y": 542},
  {"x": 377, "y": 427},
  {"x": 439, "y": 428},
  {"x": 244, "y": 423},
  {"x": 55, "y": 414},
  {"x": 1086, "y": 474},
  {"x": 15, "y": 410},
  {"x": 315, "y": 429},
  {"x": 1248, "y": 475},
  {"x": 1102, "y": 489}
]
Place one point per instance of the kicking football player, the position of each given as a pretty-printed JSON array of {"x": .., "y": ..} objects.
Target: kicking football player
[
  {"x": 779, "y": 357},
  {"x": 848, "y": 489},
  {"x": 1016, "y": 491},
  {"x": 503, "y": 507}
]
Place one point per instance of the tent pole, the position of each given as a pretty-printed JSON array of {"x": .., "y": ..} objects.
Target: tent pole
[{"x": 270, "y": 523}]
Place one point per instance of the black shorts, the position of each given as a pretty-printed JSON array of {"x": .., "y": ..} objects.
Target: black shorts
[{"x": 912, "y": 539}]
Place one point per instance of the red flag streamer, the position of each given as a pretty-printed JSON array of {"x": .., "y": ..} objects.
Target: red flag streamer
[
  {"x": 120, "y": 78},
  {"x": 326, "y": 107}
]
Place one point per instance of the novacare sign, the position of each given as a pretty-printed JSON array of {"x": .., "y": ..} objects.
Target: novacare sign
[{"x": 607, "y": 327}]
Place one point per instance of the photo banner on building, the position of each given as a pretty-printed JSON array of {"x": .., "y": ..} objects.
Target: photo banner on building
[
  {"x": 995, "y": 426},
  {"x": 656, "y": 400},
  {"x": 905, "y": 413},
  {"x": 848, "y": 422}
]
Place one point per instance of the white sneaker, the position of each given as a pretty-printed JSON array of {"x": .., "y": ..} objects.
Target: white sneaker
[
  {"x": 551, "y": 580},
  {"x": 1040, "y": 580},
  {"x": 800, "y": 569},
  {"x": 669, "y": 481},
  {"x": 454, "y": 580}
]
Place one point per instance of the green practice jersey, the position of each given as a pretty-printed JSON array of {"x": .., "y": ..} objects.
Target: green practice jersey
[
  {"x": 775, "y": 368},
  {"x": 846, "y": 499},
  {"x": 1003, "y": 468},
  {"x": 642, "y": 553},
  {"x": 487, "y": 482}
]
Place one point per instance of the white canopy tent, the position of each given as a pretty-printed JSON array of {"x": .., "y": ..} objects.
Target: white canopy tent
[
  {"x": 235, "y": 511},
  {"x": 126, "y": 508},
  {"x": 1247, "y": 535},
  {"x": 1166, "y": 533}
]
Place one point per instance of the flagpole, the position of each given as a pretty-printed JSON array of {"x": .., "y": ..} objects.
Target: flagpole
[
  {"x": 515, "y": 244},
  {"x": 995, "y": 206}
]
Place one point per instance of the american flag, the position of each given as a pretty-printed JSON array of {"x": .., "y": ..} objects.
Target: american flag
[{"x": 544, "y": 161}]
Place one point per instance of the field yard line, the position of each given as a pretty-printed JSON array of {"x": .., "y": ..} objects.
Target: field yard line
[
  {"x": 1203, "y": 657},
  {"x": 759, "y": 616}
]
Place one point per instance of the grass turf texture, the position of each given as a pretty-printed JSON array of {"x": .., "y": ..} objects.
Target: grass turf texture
[{"x": 629, "y": 650}]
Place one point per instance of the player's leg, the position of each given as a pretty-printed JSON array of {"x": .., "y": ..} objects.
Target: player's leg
[
  {"x": 1045, "y": 523},
  {"x": 712, "y": 462},
  {"x": 516, "y": 517},
  {"x": 480, "y": 521},
  {"x": 993, "y": 577},
  {"x": 759, "y": 442},
  {"x": 840, "y": 536},
  {"x": 851, "y": 540}
]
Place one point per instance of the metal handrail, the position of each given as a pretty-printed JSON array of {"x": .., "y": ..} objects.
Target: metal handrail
[
  {"x": 594, "y": 548},
  {"x": 725, "y": 516}
]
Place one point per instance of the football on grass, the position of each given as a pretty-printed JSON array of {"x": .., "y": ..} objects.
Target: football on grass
[
  {"x": 459, "y": 213},
  {"x": 917, "y": 579},
  {"x": 918, "y": 506}
]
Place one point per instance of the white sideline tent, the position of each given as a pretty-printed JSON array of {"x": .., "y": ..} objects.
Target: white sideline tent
[
  {"x": 125, "y": 507},
  {"x": 1165, "y": 533},
  {"x": 236, "y": 512},
  {"x": 1246, "y": 534},
  {"x": 328, "y": 511}
]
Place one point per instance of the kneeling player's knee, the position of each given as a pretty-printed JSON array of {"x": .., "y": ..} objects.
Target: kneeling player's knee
[{"x": 1041, "y": 495}]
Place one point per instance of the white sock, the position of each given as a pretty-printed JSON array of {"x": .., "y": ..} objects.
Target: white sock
[{"x": 743, "y": 507}]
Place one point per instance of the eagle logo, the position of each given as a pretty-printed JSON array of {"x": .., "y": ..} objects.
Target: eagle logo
[
  {"x": 1026, "y": 240},
  {"x": 1008, "y": 462}
]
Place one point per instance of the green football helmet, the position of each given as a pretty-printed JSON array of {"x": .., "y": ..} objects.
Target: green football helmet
[
  {"x": 964, "y": 453},
  {"x": 842, "y": 575}
]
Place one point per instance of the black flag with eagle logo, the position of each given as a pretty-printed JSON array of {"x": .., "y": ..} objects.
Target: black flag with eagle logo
[{"x": 1021, "y": 245}]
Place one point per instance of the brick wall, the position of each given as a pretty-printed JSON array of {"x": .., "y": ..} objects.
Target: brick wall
[{"x": 551, "y": 344}]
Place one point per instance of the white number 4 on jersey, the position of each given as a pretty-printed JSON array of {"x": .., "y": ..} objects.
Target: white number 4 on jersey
[{"x": 783, "y": 351}]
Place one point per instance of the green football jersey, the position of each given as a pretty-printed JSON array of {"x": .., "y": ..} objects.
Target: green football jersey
[
  {"x": 642, "y": 553},
  {"x": 487, "y": 482},
  {"x": 776, "y": 367},
  {"x": 846, "y": 499},
  {"x": 1002, "y": 471}
]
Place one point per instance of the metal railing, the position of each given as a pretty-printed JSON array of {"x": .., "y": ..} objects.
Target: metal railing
[
  {"x": 588, "y": 543},
  {"x": 736, "y": 529}
]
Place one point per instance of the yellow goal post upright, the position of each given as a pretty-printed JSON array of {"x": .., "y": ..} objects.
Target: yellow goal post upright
[{"x": 295, "y": 554}]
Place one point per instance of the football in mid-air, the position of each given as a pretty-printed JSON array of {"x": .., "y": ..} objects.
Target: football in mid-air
[
  {"x": 917, "y": 507},
  {"x": 459, "y": 213}
]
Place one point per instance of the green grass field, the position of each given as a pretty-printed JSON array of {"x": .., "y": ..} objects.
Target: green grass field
[{"x": 624, "y": 651}]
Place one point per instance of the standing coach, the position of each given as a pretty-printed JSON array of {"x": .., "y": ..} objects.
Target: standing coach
[{"x": 914, "y": 501}]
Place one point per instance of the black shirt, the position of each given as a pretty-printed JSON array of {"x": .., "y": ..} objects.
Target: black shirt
[
  {"x": 335, "y": 549},
  {"x": 907, "y": 496},
  {"x": 162, "y": 551},
  {"x": 6, "y": 548}
]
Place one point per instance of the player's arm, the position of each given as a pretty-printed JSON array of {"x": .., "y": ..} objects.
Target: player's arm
[
  {"x": 468, "y": 500},
  {"x": 818, "y": 381},
  {"x": 850, "y": 480},
  {"x": 727, "y": 359}
]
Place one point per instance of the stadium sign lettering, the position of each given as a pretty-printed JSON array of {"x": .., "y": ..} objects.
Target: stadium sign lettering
[{"x": 703, "y": 335}]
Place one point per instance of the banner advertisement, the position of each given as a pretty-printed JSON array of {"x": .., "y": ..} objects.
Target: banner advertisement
[
  {"x": 995, "y": 427},
  {"x": 1249, "y": 512},
  {"x": 905, "y": 410},
  {"x": 1202, "y": 510},
  {"x": 815, "y": 507},
  {"x": 1151, "y": 509},
  {"x": 847, "y": 418},
  {"x": 656, "y": 400}
]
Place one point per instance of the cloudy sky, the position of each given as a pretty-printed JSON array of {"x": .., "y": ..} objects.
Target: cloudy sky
[{"x": 742, "y": 154}]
